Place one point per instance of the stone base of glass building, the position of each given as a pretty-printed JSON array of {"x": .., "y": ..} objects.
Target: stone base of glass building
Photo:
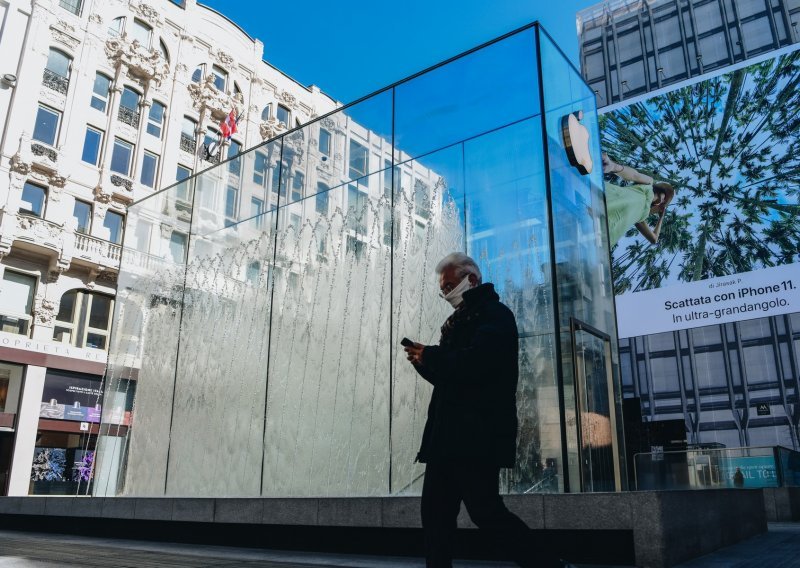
[{"x": 261, "y": 303}]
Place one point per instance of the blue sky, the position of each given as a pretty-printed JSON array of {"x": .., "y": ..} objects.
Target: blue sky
[{"x": 350, "y": 49}]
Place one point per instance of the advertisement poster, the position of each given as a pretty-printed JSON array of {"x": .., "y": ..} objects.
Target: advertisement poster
[
  {"x": 71, "y": 397},
  {"x": 730, "y": 148}
]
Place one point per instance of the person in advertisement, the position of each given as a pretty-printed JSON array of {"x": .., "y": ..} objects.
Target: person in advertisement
[
  {"x": 633, "y": 204},
  {"x": 471, "y": 429}
]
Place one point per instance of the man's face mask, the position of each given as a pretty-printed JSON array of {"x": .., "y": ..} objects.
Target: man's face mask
[{"x": 454, "y": 296}]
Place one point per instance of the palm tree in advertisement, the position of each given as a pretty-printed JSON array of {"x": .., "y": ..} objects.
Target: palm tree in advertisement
[{"x": 730, "y": 146}]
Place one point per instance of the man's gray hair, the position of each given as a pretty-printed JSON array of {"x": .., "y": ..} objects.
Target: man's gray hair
[{"x": 462, "y": 263}]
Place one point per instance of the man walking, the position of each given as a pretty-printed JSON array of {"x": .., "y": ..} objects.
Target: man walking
[{"x": 471, "y": 429}]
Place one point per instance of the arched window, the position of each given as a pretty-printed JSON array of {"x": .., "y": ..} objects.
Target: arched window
[
  {"x": 129, "y": 107},
  {"x": 236, "y": 89},
  {"x": 155, "y": 119},
  {"x": 142, "y": 33},
  {"x": 102, "y": 85},
  {"x": 162, "y": 47},
  {"x": 57, "y": 71},
  {"x": 265, "y": 114},
  {"x": 84, "y": 319},
  {"x": 116, "y": 27},
  {"x": 197, "y": 76}
]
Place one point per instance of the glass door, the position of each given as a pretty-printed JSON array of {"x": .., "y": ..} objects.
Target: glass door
[{"x": 597, "y": 432}]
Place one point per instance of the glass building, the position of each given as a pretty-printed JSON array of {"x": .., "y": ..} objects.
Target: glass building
[{"x": 256, "y": 345}]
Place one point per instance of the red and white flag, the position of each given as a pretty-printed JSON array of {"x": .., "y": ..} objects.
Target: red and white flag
[{"x": 228, "y": 126}]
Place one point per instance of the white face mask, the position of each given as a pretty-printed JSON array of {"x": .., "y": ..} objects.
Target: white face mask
[{"x": 454, "y": 297}]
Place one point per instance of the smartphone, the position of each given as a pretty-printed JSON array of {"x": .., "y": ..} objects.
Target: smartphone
[{"x": 406, "y": 342}]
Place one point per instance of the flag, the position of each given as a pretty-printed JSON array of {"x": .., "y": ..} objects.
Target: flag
[{"x": 227, "y": 127}]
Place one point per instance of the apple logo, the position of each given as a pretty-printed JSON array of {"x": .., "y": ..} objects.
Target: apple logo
[{"x": 576, "y": 142}]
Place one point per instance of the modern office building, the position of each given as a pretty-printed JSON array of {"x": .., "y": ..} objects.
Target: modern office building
[
  {"x": 686, "y": 85},
  {"x": 102, "y": 102},
  {"x": 631, "y": 47},
  {"x": 259, "y": 350}
]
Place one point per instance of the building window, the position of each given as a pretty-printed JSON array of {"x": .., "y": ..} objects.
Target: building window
[
  {"x": 182, "y": 173},
  {"x": 92, "y": 143},
  {"x": 115, "y": 223},
  {"x": 278, "y": 181},
  {"x": 197, "y": 76},
  {"x": 116, "y": 27},
  {"x": 121, "y": 157},
  {"x": 356, "y": 209},
  {"x": 162, "y": 49},
  {"x": 358, "y": 162},
  {"x": 188, "y": 137},
  {"x": 253, "y": 272},
  {"x": 57, "y": 71},
  {"x": 73, "y": 6},
  {"x": 211, "y": 144},
  {"x": 220, "y": 78},
  {"x": 298, "y": 182},
  {"x": 46, "y": 127},
  {"x": 82, "y": 213},
  {"x": 16, "y": 302},
  {"x": 155, "y": 119},
  {"x": 182, "y": 190},
  {"x": 266, "y": 113},
  {"x": 142, "y": 33},
  {"x": 235, "y": 163},
  {"x": 84, "y": 319},
  {"x": 149, "y": 169},
  {"x": 33, "y": 198},
  {"x": 283, "y": 115},
  {"x": 177, "y": 247},
  {"x": 231, "y": 202},
  {"x": 129, "y": 107},
  {"x": 322, "y": 198},
  {"x": 256, "y": 207},
  {"x": 260, "y": 168},
  {"x": 102, "y": 85},
  {"x": 324, "y": 142}
]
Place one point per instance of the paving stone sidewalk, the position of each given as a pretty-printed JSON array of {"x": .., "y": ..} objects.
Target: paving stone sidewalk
[{"x": 779, "y": 548}]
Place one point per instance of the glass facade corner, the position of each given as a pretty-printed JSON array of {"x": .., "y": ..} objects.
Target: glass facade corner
[{"x": 260, "y": 307}]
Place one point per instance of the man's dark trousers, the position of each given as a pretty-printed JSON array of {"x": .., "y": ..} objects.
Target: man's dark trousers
[{"x": 446, "y": 485}]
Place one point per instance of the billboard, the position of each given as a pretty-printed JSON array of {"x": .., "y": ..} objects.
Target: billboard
[{"x": 728, "y": 246}]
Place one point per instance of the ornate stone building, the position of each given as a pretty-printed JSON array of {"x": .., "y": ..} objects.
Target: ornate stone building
[{"x": 101, "y": 103}]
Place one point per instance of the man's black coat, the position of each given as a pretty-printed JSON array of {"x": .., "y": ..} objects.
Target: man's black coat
[{"x": 472, "y": 415}]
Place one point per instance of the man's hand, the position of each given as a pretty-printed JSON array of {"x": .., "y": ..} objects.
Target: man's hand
[{"x": 414, "y": 353}]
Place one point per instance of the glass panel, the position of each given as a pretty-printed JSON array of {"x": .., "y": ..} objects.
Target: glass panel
[
  {"x": 82, "y": 213},
  {"x": 121, "y": 157},
  {"x": 582, "y": 273},
  {"x": 66, "y": 309},
  {"x": 17, "y": 296},
  {"x": 102, "y": 84},
  {"x": 129, "y": 99},
  {"x": 46, "y": 127},
  {"x": 58, "y": 63},
  {"x": 141, "y": 32},
  {"x": 155, "y": 119},
  {"x": 149, "y": 169},
  {"x": 100, "y": 312},
  {"x": 113, "y": 222},
  {"x": 283, "y": 115}
]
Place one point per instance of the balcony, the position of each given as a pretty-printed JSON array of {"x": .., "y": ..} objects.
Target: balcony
[
  {"x": 34, "y": 230},
  {"x": 97, "y": 251},
  {"x": 129, "y": 116},
  {"x": 188, "y": 143},
  {"x": 55, "y": 82}
]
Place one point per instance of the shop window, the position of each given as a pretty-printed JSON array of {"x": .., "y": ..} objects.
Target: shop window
[
  {"x": 57, "y": 72},
  {"x": 114, "y": 223},
  {"x": 121, "y": 157},
  {"x": 46, "y": 127},
  {"x": 33, "y": 200},
  {"x": 155, "y": 119},
  {"x": 149, "y": 169},
  {"x": 16, "y": 302},
  {"x": 82, "y": 213},
  {"x": 102, "y": 86},
  {"x": 10, "y": 391},
  {"x": 92, "y": 143},
  {"x": 73, "y": 6},
  {"x": 84, "y": 319},
  {"x": 283, "y": 115}
]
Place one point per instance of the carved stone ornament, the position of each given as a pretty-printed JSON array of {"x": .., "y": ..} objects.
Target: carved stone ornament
[
  {"x": 45, "y": 311},
  {"x": 19, "y": 166},
  {"x": 96, "y": 19},
  {"x": 206, "y": 97},
  {"x": 271, "y": 128},
  {"x": 224, "y": 59},
  {"x": 39, "y": 228},
  {"x": 60, "y": 35},
  {"x": 288, "y": 98},
  {"x": 57, "y": 181},
  {"x": 147, "y": 13},
  {"x": 142, "y": 63}
]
